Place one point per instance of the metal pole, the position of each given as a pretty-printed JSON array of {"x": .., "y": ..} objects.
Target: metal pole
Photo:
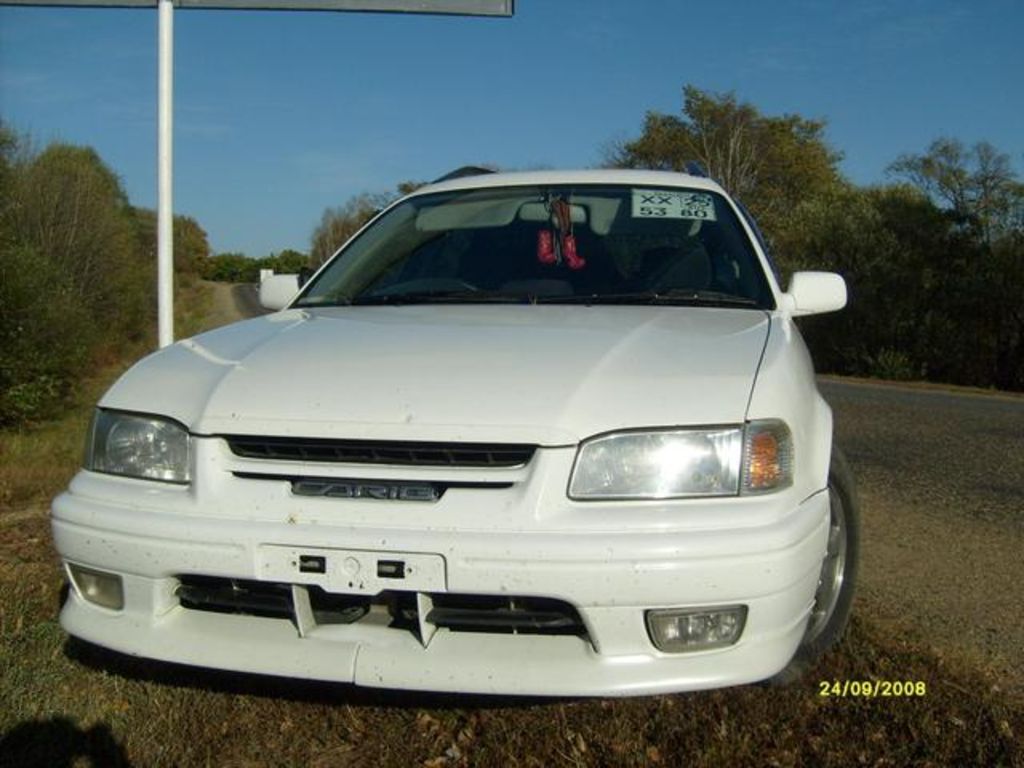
[{"x": 165, "y": 148}]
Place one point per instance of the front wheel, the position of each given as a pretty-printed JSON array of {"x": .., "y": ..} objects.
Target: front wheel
[{"x": 833, "y": 600}]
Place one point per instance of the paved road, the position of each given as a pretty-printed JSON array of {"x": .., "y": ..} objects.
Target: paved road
[
  {"x": 964, "y": 453},
  {"x": 941, "y": 479}
]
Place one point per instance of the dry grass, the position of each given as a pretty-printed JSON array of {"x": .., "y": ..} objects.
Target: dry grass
[
  {"x": 35, "y": 462},
  {"x": 67, "y": 703}
]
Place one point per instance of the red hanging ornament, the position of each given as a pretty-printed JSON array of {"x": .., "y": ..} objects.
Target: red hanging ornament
[
  {"x": 572, "y": 259},
  {"x": 545, "y": 247}
]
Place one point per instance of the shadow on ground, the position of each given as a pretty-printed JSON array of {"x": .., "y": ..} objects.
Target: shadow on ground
[{"x": 59, "y": 743}]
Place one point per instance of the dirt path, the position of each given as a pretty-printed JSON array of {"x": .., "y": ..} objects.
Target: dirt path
[{"x": 224, "y": 306}]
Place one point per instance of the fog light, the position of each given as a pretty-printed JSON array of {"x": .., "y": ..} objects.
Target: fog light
[
  {"x": 98, "y": 587},
  {"x": 677, "y": 630}
]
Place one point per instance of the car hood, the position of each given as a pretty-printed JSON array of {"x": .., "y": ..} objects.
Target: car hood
[{"x": 549, "y": 375}]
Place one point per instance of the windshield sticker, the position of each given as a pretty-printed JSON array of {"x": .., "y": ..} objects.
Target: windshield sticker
[{"x": 672, "y": 204}]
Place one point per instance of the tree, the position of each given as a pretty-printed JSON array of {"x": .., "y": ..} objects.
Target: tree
[
  {"x": 231, "y": 268},
  {"x": 339, "y": 224},
  {"x": 288, "y": 261},
  {"x": 239, "y": 268},
  {"x": 984, "y": 275},
  {"x": 72, "y": 277},
  {"x": 191, "y": 246},
  {"x": 1007, "y": 266},
  {"x": 886, "y": 242},
  {"x": 9, "y": 146},
  {"x": 71, "y": 210},
  {"x": 771, "y": 163},
  {"x": 978, "y": 184}
]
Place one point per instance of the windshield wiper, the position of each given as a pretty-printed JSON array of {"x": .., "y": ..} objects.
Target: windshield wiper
[
  {"x": 468, "y": 296},
  {"x": 341, "y": 301},
  {"x": 674, "y": 296}
]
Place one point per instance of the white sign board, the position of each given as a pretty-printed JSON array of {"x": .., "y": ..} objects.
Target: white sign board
[{"x": 446, "y": 7}]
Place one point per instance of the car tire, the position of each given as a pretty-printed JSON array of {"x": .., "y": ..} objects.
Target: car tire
[{"x": 833, "y": 602}]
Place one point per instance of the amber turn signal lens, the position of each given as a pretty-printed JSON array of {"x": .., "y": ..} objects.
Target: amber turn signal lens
[
  {"x": 764, "y": 461},
  {"x": 768, "y": 457}
]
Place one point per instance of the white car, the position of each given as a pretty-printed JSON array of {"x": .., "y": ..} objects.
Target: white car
[{"x": 540, "y": 433}]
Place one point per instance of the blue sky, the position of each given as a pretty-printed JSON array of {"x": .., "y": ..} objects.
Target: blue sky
[{"x": 280, "y": 115}]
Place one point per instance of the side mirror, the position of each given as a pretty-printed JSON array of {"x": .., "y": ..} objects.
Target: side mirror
[
  {"x": 277, "y": 291},
  {"x": 812, "y": 293}
]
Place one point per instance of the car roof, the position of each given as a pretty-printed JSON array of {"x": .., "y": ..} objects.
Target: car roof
[{"x": 589, "y": 176}]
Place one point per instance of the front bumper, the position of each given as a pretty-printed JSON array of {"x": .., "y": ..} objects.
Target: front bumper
[{"x": 763, "y": 553}]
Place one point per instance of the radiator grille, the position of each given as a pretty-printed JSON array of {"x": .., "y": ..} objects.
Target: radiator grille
[{"x": 382, "y": 452}]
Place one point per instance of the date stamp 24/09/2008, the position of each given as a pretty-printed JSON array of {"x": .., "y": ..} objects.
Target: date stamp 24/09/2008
[{"x": 872, "y": 689}]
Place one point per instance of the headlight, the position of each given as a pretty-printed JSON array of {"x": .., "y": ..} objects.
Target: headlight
[
  {"x": 133, "y": 445},
  {"x": 675, "y": 463},
  {"x": 659, "y": 465}
]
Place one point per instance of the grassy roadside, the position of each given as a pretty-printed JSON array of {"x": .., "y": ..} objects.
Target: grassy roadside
[{"x": 64, "y": 703}]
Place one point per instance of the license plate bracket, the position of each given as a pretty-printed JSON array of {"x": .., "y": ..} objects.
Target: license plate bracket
[{"x": 352, "y": 571}]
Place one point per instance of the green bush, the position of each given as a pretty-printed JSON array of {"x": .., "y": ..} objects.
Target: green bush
[
  {"x": 239, "y": 268},
  {"x": 231, "y": 268},
  {"x": 46, "y": 337},
  {"x": 893, "y": 365}
]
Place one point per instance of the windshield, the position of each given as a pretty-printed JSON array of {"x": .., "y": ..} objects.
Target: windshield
[{"x": 551, "y": 244}]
